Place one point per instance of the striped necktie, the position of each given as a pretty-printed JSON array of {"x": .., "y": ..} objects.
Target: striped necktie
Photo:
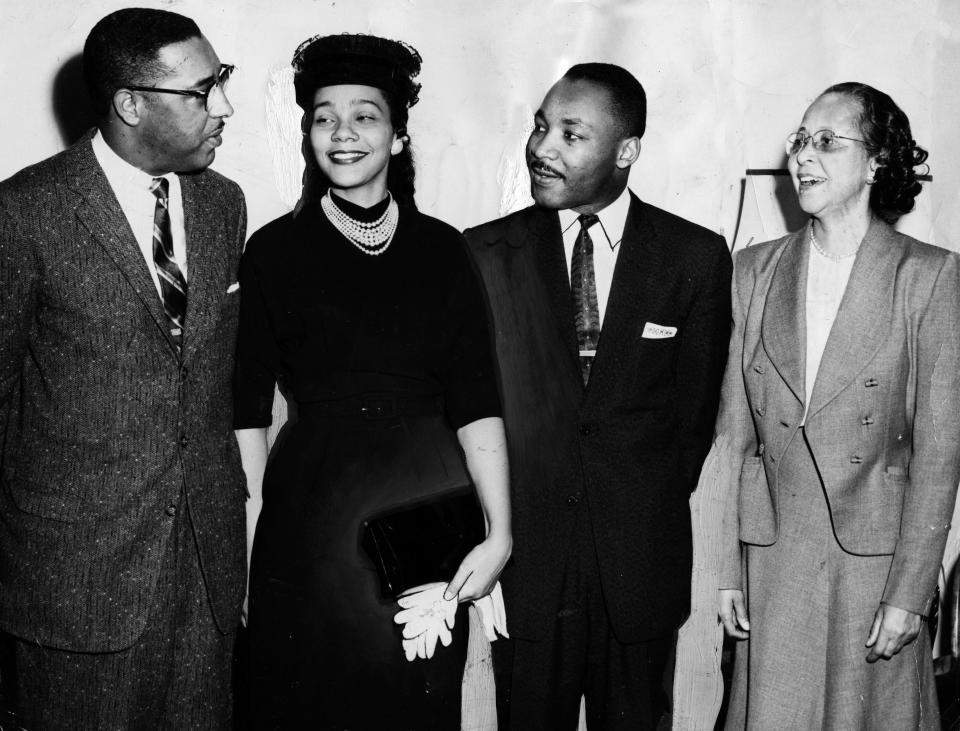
[
  {"x": 583, "y": 287},
  {"x": 173, "y": 287}
]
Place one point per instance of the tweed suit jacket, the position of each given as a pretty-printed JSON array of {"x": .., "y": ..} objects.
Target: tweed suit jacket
[
  {"x": 884, "y": 417},
  {"x": 102, "y": 426},
  {"x": 630, "y": 445}
]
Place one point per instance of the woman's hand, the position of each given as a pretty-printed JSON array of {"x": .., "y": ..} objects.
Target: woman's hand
[
  {"x": 733, "y": 613},
  {"x": 893, "y": 629},
  {"x": 480, "y": 569}
]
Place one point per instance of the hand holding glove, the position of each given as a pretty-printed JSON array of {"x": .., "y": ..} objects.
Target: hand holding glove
[
  {"x": 426, "y": 617},
  {"x": 492, "y": 613}
]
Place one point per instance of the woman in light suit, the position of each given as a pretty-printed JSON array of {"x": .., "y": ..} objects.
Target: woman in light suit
[{"x": 841, "y": 421}]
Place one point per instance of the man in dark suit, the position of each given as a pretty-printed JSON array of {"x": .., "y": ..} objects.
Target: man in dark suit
[
  {"x": 122, "y": 495},
  {"x": 612, "y": 321}
]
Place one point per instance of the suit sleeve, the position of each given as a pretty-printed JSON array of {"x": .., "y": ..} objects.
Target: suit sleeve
[
  {"x": 701, "y": 359},
  {"x": 935, "y": 465},
  {"x": 735, "y": 436},
  {"x": 19, "y": 282}
]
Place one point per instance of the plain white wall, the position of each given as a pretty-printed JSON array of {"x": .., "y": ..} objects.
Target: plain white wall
[{"x": 726, "y": 80}]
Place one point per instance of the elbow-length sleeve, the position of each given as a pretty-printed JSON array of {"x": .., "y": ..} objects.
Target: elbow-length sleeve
[
  {"x": 256, "y": 358},
  {"x": 471, "y": 392}
]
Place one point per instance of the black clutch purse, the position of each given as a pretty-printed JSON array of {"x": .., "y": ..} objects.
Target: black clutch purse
[{"x": 424, "y": 542}]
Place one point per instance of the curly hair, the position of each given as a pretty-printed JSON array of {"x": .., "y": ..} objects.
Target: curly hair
[
  {"x": 388, "y": 65},
  {"x": 886, "y": 133}
]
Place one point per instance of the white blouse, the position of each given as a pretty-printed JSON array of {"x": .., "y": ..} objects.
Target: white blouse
[{"x": 826, "y": 282}]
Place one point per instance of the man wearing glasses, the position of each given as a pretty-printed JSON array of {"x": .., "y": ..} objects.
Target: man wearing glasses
[{"x": 121, "y": 492}]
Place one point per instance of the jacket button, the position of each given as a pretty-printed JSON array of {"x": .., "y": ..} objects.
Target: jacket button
[
  {"x": 585, "y": 429},
  {"x": 760, "y": 411},
  {"x": 866, "y": 420},
  {"x": 184, "y": 441},
  {"x": 572, "y": 500},
  {"x": 870, "y": 382},
  {"x": 171, "y": 510},
  {"x": 856, "y": 459},
  {"x": 758, "y": 368},
  {"x": 184, "y": 373}
]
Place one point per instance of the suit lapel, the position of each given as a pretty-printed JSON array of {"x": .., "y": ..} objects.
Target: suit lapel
[
  {"x": 863, "y": 318},
  {"x": 547, "y": 239},
  {"x": 100, "y": 213},
  {"x": 639, "y": 264},
  {"x": 784, "y": 330},
  {"x": 205, "y": 262}
]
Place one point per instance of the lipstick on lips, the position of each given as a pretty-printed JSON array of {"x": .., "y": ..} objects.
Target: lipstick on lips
[{"x": 346, "y": 157}]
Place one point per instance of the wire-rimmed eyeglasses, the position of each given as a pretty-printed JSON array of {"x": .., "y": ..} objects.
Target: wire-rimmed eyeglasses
[
  {"x": 223, "y": 76},
  {"x": 824, "y": 140}
]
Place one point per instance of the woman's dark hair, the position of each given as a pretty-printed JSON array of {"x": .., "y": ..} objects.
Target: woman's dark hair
[
  {"x": 885, "y": 130},
  {"x": 359, "y": 59}
]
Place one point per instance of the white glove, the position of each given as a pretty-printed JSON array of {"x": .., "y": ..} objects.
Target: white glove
[
  {"x": 493, "y": 615},
  {"x": 426, "y": 617}
]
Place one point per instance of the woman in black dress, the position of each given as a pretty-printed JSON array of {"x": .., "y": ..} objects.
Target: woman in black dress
[{"x": 369, "y": 316}]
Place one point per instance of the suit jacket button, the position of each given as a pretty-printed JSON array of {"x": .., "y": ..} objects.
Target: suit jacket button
[
  {"x": 760, "y": 411},
  {"x": 572, "y": 500},
  {"x": 171, "y": 510},
  {"x": 585, "y": 429},
  {"x": 184, "y": 441},
  {"x": 856, "y": 459},
  {"x": 184, "y": 372},
  {"x": 758, "y": 368},
  {"x": 866, "y": 420}
]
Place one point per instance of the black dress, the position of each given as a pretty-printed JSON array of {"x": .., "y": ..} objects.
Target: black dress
[{"x": 381, "y": 358}]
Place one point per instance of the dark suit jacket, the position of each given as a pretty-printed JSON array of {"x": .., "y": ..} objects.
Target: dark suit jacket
[
  {"x": 632, "y": 443},
  {"x": 884, "y": 417},
  {"x": 102, "y": 425}
]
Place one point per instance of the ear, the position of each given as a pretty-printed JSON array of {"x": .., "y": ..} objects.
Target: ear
[
  {"x": 629, "y": 152},
  {"x": 127, "y": 106},
  {"x": 875, "y": 163},
  {"x": 397, "y": 145}
]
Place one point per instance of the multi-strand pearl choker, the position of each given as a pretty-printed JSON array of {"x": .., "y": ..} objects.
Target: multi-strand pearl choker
[{"x": 371, "y": 237}]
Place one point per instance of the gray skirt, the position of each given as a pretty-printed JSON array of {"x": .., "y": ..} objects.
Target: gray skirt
[{"x": 811, "y": 605}]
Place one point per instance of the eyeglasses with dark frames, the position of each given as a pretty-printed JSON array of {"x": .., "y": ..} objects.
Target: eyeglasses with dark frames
[
  {"x": 223, "y": 76},
  {"x": 824, "y": 140}
]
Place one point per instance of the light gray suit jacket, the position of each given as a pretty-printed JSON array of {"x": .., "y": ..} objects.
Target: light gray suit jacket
[
  {"x": 102, "y": 427},
  {"x": 884, "y": 416}
]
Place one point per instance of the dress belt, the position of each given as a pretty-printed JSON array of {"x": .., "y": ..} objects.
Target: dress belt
[{"x": 373, "y": 406}]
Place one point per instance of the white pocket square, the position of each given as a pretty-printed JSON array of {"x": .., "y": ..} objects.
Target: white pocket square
[
  {"x": 658, "y": 332},
  {"x": 233, "y": 288}
]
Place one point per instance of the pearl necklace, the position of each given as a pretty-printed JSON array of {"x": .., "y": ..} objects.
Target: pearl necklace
[
  {"x": 831, "y": 257},
  {"x": 371, "y": 238}
]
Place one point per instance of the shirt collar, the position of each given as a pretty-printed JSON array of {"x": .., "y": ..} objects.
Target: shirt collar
[
  {"x": 121, "y": 174},
  {"x": 613, "y": 218}
]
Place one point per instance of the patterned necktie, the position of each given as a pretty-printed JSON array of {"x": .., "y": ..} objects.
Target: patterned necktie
[
  {"x": 173, "y": 287},
  {"x": 583, "y": 286}
]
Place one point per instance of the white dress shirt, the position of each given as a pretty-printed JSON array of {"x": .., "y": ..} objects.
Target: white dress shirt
[
  {"x": 132, "y": 188},
  {"x": 606, "y": 236},
  {"x": 826, "y": 282}
]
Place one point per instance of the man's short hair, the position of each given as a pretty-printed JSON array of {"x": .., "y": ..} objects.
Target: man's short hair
[
  {"x": 123, "y": 49},
  {"x": 628, "y": 100}
]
